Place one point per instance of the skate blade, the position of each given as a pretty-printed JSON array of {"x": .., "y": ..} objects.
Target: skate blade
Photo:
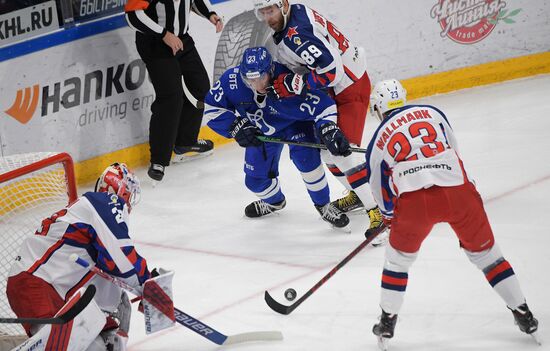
[
  {"x": 535, "y": 337},
  {"x": 356, "y": 211},
  {"x": 191, "y": 156},
  {"x": 383, "y": 343},
  {"x": 381, "y": 240},
  {"x": 346, "y": 229},
  {"x": 274, "y": 213},
  {"x": 154, "y": 183}
]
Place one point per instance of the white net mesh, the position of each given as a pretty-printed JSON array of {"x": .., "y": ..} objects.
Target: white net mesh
[{"x": 25, "y": 199}]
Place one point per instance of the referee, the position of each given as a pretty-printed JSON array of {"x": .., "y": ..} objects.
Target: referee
[{"x": 169, "y": 52}]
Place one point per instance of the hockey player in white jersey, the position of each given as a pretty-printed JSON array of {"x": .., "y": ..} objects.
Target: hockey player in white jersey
[
  {"x": 418, "y": 179},
  {"x": 95, "y": 228},
  {"x": 322, "y": 57}
]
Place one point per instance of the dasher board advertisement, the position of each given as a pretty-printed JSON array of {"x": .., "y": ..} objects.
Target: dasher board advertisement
[
  {"x": 74, "y": 99},
  {"x": 28, "y": 22}
]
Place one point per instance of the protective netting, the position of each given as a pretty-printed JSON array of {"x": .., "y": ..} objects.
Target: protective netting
[{"x": 28, "y": 194}]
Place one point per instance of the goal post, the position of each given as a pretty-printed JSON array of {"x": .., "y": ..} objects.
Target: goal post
[{"x": 33, "y": 186}]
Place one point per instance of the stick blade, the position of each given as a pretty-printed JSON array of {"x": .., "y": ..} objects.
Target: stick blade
[
  {"x": 79, "y": 306},
  {"x": 276, "y": 306},
  {"x": 253, "y": 336}
]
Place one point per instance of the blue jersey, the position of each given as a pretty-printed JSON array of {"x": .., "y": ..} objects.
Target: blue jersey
[{"x": 230, "y": 96}]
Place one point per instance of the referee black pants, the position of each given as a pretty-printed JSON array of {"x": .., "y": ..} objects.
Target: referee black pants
[{"x": 175, "y": 121}]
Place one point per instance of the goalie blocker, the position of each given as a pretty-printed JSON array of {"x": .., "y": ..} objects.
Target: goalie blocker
[{"x": 157, "y": 303}]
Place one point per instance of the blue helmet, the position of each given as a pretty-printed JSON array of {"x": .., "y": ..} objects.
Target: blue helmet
[{"x": 255, "y": 63}]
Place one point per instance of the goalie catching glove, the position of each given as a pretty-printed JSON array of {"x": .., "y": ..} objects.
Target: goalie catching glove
[
  {"x": 333, "y": 138},
  {"x": 245, "y": 133},
  {"x": 287, "y": 85}
]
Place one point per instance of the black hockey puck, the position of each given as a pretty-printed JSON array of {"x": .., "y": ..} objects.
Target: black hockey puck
[{"x": 290, "y": 294}]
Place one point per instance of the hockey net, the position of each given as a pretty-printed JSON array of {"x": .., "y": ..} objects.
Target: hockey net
[{"x": 32, "y": 187}]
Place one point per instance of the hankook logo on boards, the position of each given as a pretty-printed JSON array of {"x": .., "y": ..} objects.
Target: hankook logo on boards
[
  {"x": 470, "y": 21},
  {"x": 76, "y": 91}
]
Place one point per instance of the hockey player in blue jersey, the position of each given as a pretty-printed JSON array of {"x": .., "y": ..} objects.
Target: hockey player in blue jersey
[{"x": 237, "y": 107}]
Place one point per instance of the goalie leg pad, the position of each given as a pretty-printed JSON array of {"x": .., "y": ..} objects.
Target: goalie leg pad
[
  {"x": 158, "y": 306},
  {"x": 75, "y": 335},
  {"x": 123, "y": 313},
  {"x": 109, "y": 341}
]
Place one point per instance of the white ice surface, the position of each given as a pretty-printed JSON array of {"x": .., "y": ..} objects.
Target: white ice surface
[{"x": 193, "y": 222}]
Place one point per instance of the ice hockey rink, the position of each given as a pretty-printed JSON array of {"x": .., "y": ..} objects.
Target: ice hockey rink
[{"x": 193, "y": 222}]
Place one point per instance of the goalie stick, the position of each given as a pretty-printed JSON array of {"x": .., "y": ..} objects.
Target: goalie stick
[
  {"x": 283, "y": 309},
  {"x": 63, "y": 318},
  {"x": 186, "y": 320},
  {"x": 303, "y": 143}
]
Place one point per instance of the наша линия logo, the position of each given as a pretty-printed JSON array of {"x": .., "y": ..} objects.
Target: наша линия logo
[{"x": 470, "y": 21}]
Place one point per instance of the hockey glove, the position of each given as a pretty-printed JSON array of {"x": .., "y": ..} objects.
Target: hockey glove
[
  {"x": 286, "y": 85},
  {"x": 335, "y": 141},
  {"x": 245, "y": 133}
]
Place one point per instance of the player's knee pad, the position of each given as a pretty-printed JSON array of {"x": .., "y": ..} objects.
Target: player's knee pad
[
  {"x": 262, "y": 187},
  {"x": 484, "y": 259},
  {"x": 398, "y": 261},
  {"x": 305, "y": 157}
]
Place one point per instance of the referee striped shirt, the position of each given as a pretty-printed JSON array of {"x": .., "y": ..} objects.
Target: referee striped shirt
[{"x": 156, "y": 17}]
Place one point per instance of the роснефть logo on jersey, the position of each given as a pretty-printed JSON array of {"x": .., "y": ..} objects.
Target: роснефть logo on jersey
[{"x": 470, "y": 21}]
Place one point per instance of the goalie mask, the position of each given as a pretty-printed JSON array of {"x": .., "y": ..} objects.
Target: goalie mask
[
  {"x": 386, "y": 96},
  {"x": 120, "y": 180},
  {"x": 256, "y": 68}
]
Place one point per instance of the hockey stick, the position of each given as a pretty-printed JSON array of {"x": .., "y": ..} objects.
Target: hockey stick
[
  {"x": 186, "y": 320},
  {"x": 63, "y": 318},
  {"x": 282, "y": 309},
  {"x": 197, "y": 104},
  {"x": 303, "y": 143}
]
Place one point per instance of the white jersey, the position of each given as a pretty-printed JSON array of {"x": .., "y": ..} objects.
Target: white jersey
[
  {"x": 413, "y": 148},
  {"x": 95, "y": 228},
  {"x": 311, "y": 43}
]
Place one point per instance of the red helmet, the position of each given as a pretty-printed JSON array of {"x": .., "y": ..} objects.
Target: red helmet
[{"x": 120, "y": 180}]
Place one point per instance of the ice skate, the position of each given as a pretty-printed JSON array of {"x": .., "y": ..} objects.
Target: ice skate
[
  {"x": 261, "y": 208},
  {"x": 526, "y": 322},
  {"x": 348, "y": 203},
  {"x": 330, "y": 214},
  {"x": 155, "y": 173},
  {"x": 384, "y": 329},
  {"x": 376, "y": 221},
  {"x": 201, "y": 149}
]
